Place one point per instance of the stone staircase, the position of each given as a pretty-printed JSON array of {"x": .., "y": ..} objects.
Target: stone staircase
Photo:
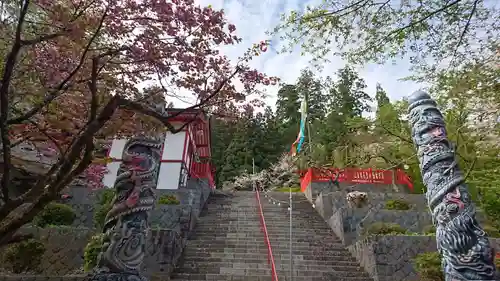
[
  {"x": 317, "y": 253},
  {"x": 228, "y": 244}
]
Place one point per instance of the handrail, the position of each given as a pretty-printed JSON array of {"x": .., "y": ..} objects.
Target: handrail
[{"x": 270, "y": 257}]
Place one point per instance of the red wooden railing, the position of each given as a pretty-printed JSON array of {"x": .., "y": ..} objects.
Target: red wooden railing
[
  {"x": 270, "y": 257},
  {"x": 203, "y": 170},
  {"x": 355, "y": 175}
]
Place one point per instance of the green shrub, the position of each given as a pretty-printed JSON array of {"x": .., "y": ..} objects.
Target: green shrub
[
  {"x": 23, "y": 256},
  {"x": 288, "y": 189},
  {"x": 92, "y": 251},
  {"x": 428, "y": 266},
  {"x": 103, "y": 207},
  {"x": 397, "y": 204},
  {"x": 429, "y": 230},
  {"x": 55, "y": 214},
  {"x": 381, "y": 228},
  {"x": 168, "y": 199},
  {"x": 491, "y": 205}
]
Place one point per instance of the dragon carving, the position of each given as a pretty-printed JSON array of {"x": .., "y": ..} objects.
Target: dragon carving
[
  {"x": 126, "y": 224},
  {"x": 463, "y": 244}
]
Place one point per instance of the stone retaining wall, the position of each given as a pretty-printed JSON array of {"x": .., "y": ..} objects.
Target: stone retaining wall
[
  {"x": 347, "y": 222},
  {"x": 84, "y": 200},
  {"x": 42, "y": 278},
  {"x": 63, "y": 248},
  {"x": 390, "y": 258},
  {"x": 171, "y": 225},
  {"x": 326, "y": 187}
]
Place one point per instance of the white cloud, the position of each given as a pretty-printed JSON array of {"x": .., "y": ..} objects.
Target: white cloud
[{"x": 253, "y": 18}]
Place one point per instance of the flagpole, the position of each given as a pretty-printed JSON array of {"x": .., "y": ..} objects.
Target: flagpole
[
  {"x": 253, "y": 173},
  {"x": 309, "y": 136},
  {"x": 291, "y": 253}
]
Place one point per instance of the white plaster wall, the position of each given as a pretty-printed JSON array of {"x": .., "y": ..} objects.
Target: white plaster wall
[
  {"x": 187, "y": 146},
  {"x": 173, "y": 146},
  {"x": 169, "y": 176},
  {"x": 109, "y": 179},
  {"x": 117, "y": 148}
]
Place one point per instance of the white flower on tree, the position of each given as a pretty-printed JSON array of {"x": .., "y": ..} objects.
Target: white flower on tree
[{"x": 283, "y": 173}]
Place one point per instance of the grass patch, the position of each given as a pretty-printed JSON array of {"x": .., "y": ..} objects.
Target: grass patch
[
  {"x": 381, "y": 228},
  {"x": 428, "y": 266},
  {"x": 168, "y": 199},
  {"x": 288, "y": 189},
  {"x": 397, "y": 204}
]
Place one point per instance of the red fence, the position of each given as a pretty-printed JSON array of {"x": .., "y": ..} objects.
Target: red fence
[
  {"x": 203, "y": 170},
  {"x": 355, "y": 175},
  {"x": 270, "y": 257}
]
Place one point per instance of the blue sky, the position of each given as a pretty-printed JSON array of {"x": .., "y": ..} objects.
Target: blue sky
[{"x": 253, "y": 18}]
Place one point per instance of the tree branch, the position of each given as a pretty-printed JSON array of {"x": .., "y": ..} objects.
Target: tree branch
[
  {"x": 10, "y": 64},
  {"x": 470, "y": 168},
  {"x": 47, "y": 188},
  {"x": 422, "y": 19},
  {"x": 16, "y": 238},
  {"x": 43, "y": 38},
  {"x": 55, "y": 93},
  {"x": 466, "y": 28},
  {"x": 337, "y": 11},
  {"x": 93, "y": 89}
]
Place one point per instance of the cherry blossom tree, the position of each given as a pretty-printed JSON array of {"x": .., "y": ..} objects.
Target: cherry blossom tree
[
  {"x": 70, "y": 74},
  {"x": 283, "y": 173}
]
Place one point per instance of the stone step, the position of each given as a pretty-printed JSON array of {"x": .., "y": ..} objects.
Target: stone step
[
  {"x": 260, "y": 241},
  {"x": 269, "y": 224},
  {"x": 257, "y": 233},
  {"x": 271, "y": 231},
  {"x": 192, "y": 267},
  {"x": 282, "y": 256},
  {"x": 295, "y": 225},
  {"x": 284, "y": 277},
  {"x": 252, "y": 263},
  {"x": 345, "y": 272},
  {"x": 278, "y": 217},
  {"x": 263, "y": 250}
]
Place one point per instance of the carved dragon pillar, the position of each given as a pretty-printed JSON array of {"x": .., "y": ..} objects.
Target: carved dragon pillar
[
  {"x": 127, "y": 222},
  {"x": 463, "y": 244}
]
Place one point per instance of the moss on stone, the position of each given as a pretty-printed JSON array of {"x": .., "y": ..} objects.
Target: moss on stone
[
  {"x": 397, "y": 204},
  {"x": 428, "y": 266},
  {"x": 168, "y": 199},
  {"x": 429, "y": 230},
  {"x": 381, "y": 228},
  {"x": 24, "y": 256}
]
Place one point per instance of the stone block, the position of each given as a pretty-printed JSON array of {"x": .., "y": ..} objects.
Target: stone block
[{"x": 391, "y": 257}]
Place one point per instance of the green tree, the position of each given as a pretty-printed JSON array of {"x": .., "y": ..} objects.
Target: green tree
[
  {"x": 381, "y": 96},
  {"x": 431, "y": 33},
  {"x": 288, "y": 114},
  {"x": 348, "y": 99},
  {"x": 310, "y": 88}
]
